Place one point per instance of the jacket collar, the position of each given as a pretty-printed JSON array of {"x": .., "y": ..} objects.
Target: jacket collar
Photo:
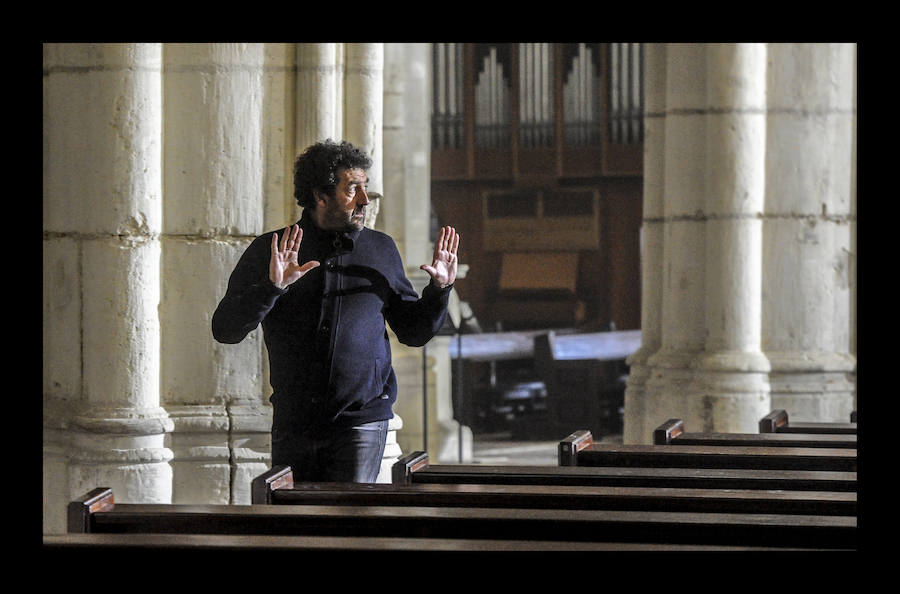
[{"x": 343, "y": 242}]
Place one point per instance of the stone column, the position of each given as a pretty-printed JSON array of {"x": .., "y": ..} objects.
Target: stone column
[
  {"x": 636, "y": 429},
  {"x": 852, "y": 322},
  {"x": 102, "y": 218},
  {"x": 213, "y": 209},
  {"x": 807, "y": 254},
  {"x": 363, "y": 103},
  {"x": 730, "y": 386},
  {"x": 279, "y": 135},
  {"x": 319, "y": 92},
  {"x": 406, "y": 216},
  {"x": 683, "y": 267}
]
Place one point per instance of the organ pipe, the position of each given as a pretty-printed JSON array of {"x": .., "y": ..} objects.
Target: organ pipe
[{"x": 581, "y": 101}]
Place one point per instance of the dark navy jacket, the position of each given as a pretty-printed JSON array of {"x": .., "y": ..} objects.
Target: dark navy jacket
[{"x": 329, "y": 352}]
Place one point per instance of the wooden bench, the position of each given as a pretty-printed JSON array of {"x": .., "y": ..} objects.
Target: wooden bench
[
  {"x": 92, "y": 544},
  {"x": 96, "y": 512},
  {"x": 672, "y": 433},
  {"x": 415, "y": 468},
  {"x": 777, "y": 422},
  {"x": 578, "y": 449},
  {"x": 276, "y": 487}
]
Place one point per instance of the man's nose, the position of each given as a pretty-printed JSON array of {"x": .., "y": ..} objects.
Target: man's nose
[{"x": 362, "y": 197}]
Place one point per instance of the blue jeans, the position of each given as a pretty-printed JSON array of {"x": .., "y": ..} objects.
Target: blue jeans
[{"x": 345, "y": 455}]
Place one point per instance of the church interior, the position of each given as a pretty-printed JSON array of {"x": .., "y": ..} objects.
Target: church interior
[{"x": 658, "y": 245}]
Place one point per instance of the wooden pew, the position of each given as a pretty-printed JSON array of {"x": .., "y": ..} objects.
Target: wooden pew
[
  {"x": 415, "y": 468},
  {"x": 578, "y": 449},
  {"x": 777, "y": 422},
  {"x": 282, "y": 491},
  {"x": 672, "y": 433},
  {"x": 97, "y": 512},
  {"x": 265, "y": 545}
]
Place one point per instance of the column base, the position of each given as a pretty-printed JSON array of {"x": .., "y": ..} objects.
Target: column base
[
  {"x": 635, "y": 430},
  {"x": 730, "y": 392},
  {"x": 449, "y": 443},
  {"x": 669, "y": 380},
  {"x": 202, "y": 466},
  {"x": 250, "y": 445},
  {"x": 813, "y": 387}
]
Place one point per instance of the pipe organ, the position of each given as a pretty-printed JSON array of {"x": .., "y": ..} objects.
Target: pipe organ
[
  {"x": 575, "y": 109},
  {"x": 625, "y": 93},
  {"x": 447, "y": 116},
  {"x": 538, "y": 149},
  {"x": 492, "y": 103},
  {"x": 535, "y": 95}
]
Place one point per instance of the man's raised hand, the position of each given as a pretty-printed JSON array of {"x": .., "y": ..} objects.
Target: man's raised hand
[
  {"x": 444, "y": 264},
  {"x": 283, "y": 266}
]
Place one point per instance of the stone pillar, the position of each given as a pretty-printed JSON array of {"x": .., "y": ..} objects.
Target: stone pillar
[
  {"x": 102, "y": 219},
  {"x": 407, "y": 163},
  {"x": 406, "y": 216},
  {"x": 807, "y": 253},
  {"x": 407, "y": 193},
  {"x": 852, "y": 322},
  {"x": 730, "y": 386},
  {"x": 213, "y": 209},
  {"x": 279, "y": 135},
  {"x": 363, "y": 103},
  {"x": 636, "y": 429},
  {"x": 684, "y": 249},
  {"x": 319, "y": 93}
]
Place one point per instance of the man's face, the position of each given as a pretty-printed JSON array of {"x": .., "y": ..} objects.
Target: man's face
[{"x": 346, "y": 211}]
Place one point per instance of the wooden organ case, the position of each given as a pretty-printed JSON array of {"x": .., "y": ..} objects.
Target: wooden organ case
[{"x": 537, "y": 159}]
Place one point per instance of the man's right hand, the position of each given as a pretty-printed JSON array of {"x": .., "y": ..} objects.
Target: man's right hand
[{"x": 283, "y": 266}]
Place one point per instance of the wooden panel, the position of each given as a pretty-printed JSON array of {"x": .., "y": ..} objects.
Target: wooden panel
[
  {"x": 492, "y": 164},
  {"x": 536, "y": 163},
  {"x": 550, "y": 230},
  {"x": 584, "y": 161},
  {"x": 555, "y": 270},
  {"x": 623, "y": 159},
  {"x": 449, "y": 164}
]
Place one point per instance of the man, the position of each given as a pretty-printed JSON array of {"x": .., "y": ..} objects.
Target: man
[{"x": 323, "y": 290}]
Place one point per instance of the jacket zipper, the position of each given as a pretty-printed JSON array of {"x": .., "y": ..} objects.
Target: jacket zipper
[{"x": 336, "y": 310}]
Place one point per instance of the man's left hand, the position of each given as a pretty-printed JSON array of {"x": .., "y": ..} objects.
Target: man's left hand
[{"x": 444, "y": 265}]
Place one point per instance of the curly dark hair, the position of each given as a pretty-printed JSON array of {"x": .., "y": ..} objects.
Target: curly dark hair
[{"x": 317, "y": 168}]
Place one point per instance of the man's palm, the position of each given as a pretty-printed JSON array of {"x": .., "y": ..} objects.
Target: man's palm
[
  {"x": 284, "y": 268},
  {"x": 445, "y": 261}
]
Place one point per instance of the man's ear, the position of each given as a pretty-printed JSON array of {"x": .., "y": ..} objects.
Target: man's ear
[{"x": 321, "y": 197}]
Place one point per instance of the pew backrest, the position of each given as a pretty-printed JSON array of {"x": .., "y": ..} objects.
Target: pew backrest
[
  {"x": 277, "y": 477},
  {"x": 112, "y": 547},
  {"x": 672, "y": 432},
  {"x": 573, "y": 443},
  {"x": 81, "y": 510},
  {"x": 415, "y": 469},
  {"x": 568, "y": 497},
  {"x": 679, "y": 456},
  {"x": 579, "y": 449},
  {"x": 718, "y": 529},
  {"x": 777, "y": 421}
]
